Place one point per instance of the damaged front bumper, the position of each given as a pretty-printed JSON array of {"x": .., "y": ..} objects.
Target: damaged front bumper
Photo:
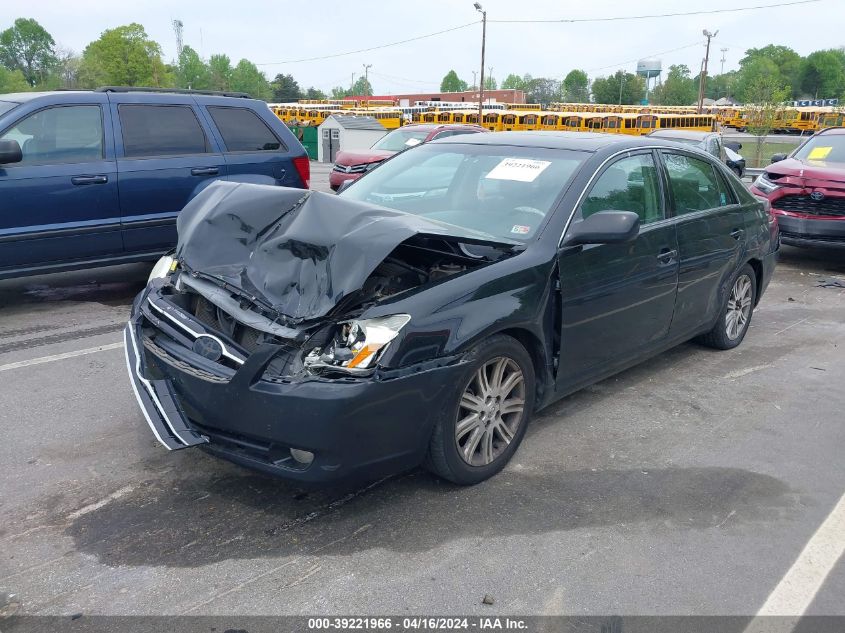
[{"x": 355, "y": 426}]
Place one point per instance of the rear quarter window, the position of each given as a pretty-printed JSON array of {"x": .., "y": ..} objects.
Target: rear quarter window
[{"x": 244, "y": 131}]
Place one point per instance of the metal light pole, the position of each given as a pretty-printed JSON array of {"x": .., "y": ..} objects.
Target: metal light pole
[
  {"x": 702, "y": 78},
  {"x": 722, "y": 69},
  {"x": 483, "y": 42},
  {"x": 474, "y": 77},
  {"x": 621, "y": 83}
]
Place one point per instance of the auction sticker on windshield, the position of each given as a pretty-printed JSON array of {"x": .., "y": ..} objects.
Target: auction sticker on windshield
[
  {"x": 521, "y": 169},
  {"x": 819, "y": 153}
]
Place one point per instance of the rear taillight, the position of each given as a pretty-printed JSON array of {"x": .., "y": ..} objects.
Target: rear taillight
[{"x": 303, "y": 168}]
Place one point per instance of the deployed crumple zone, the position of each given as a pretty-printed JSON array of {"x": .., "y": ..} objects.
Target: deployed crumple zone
[{"x": 298, "y": 257}]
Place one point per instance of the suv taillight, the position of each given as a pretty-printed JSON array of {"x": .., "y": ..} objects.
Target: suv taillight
[{"x": 303, "y": 168}]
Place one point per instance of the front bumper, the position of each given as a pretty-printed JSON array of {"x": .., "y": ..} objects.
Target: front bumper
[
  {"x": 798, "y": 230},
  {"x": 356, "y": 427},
  {"x": 336, "y": 178}
]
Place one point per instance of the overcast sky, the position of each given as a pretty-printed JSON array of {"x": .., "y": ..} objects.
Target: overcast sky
[{"x": 266, "y": 32}]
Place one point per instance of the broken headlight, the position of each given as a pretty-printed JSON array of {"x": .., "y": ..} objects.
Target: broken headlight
[
  {"x": 358, "y": 344},
  {"x": 163, "y": 267}
]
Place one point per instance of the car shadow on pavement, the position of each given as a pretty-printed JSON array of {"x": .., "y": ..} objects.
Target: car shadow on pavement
[{"x": 196, "y": 521}]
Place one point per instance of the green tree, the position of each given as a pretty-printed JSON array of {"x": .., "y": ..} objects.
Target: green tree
[
  {"x": 752, "y": 73},
  {"x": 541, "y": 90},
  {"x": 767, "y": 93},
  {"x": 452, "y": 83},
  {"x": 362, "y": 86},
  {"x": 12, "y": 81},
  {"x": 489, "y": 83},
  {"x": 247, "y": 78},
  {"x": 621, "y": 87},
  {"x": 123, "y": 56},
  {"x": 338, "y": 92},
  {"x": 823, "y": 74},
  {"x": 723, "y": 85},
  {"x": 29, "y": 48},
  {"x": 285, "y": 89},
  {"x": 220, "y": 72},
  {"x": 513, "y": 82},
  {"x": 787, "y": 61},
  {"x": 576, "y": 87},
  {"x": 192, "y": 72},
  {"x": 678, "y": 89},
  {"x": 314, "y": 93}
]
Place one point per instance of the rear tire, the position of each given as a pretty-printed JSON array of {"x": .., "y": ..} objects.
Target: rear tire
[
  {"x": 735, "y": 312},
  {"x": 485, "y": 418}
]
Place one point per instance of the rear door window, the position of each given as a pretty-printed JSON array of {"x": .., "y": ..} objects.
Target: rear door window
[
  {"x": 243, "y": 130},
  {"x": 693, "y": 183},
  {"x": 62, "y": 134},
  {"x": 161, "y": 130}
]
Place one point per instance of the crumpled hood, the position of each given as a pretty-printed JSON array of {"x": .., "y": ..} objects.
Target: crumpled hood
[
  {"x": 799, "y": 172},
  {"x": 300, "y": 252},
  {"x": 362, "y": 157}
]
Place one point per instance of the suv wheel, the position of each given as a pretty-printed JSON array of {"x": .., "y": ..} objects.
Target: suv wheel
[
  {"x": 736, "y": 312},
  {"x": 482, "y": 426}
]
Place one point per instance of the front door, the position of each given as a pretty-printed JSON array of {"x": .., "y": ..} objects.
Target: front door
[
  {"x": 617, "y": 299},
  {"x": 165, "y": 156},
  {"x": 60, "y": 202}
]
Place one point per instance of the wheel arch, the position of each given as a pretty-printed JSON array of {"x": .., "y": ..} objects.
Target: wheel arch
[
  {"x": 757, "y": 266},
  {"x": 534, "y": 346}
]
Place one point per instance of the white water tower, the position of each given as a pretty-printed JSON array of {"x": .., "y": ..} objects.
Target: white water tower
[{"x": 650, "y": 69}]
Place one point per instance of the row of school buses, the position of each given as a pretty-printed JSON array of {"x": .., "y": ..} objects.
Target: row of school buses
[{"x": 586, "y": 117}]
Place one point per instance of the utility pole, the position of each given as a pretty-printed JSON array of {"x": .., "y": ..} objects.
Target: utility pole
[
  {"x": 474, "y": 77},
  {"x": 367, "y": 76},
  {"x": 702, "y": 77},
  {"x": 490, "y": 74},
  {"x": 352, "y": 85},
  {"x": 722, "y": 69},
  {"x": 483, "y": 43}
]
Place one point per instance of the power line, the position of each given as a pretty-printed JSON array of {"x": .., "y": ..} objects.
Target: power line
[
  {"x": 631, "y": 61},
  {"x": 371, "y": 48},
  {"x": 657, "y": 15}
]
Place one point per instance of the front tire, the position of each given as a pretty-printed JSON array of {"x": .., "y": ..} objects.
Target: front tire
[
  {"x": 736, "y": 311},
  {"x": 485, "y": 419}
]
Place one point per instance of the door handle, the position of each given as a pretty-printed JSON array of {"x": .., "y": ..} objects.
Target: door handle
[
  {"x": 667, "y": 256},
  {"x": 737, "y": 234},
  {"x": 205, "y": 171},
  {"x": 89, "y": 180}
]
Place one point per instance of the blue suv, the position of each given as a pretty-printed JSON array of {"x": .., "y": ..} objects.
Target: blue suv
[{"x": 89, "y": 178}]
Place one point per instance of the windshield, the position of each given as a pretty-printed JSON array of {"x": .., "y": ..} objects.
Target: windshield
[
  {"x": 828, "y": 148},
  {"x": 503, "y": 191},
  {"x": 401, "y": 139},
  {"x": 5, "y": 106}
]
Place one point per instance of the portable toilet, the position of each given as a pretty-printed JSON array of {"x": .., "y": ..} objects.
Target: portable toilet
[{"x": 346, "y": 132}]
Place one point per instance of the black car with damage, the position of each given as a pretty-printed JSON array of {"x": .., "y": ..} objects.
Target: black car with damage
[{"x": 425, "y": 313}]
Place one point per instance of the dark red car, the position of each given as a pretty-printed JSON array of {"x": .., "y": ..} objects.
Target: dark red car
[
  {"x": 807, "y": 191},
  {"x": 352, "y": 165}
]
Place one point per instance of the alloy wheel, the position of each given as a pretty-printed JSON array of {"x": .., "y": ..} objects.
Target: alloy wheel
[
  {"x": 490, "y": 411},
  {"x": 739, "y": 307}
]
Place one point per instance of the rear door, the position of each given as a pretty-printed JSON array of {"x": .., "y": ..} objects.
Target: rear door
[
  {"x": 60, "y": 202},
  {"x": 711, "y": 237},
  {"x": 617, "y": 299},
  {"x": 165, "y": 156},
  {"x": 254, "y": 152}
]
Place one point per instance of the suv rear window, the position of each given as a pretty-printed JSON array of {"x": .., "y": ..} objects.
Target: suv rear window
[
  {"x": 154, "y": 130},
  {"x": 243, "y": 130}
]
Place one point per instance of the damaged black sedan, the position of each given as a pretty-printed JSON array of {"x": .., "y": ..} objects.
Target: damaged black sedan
[{"x": 425, "y": 313}]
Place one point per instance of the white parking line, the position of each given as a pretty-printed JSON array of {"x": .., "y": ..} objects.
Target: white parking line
[
  {"x": 52, "y": 357},
  {"x": 797, "y": 589}
]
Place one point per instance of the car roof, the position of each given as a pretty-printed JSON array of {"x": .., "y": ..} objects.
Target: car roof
[
  {"x": 582, "y": 141},
  {"x": 832, "y": 130}
]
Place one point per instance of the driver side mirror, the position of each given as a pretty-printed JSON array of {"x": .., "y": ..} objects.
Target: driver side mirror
[
  {"x": 776, "y": 158},
  {"x": 10, "y": 152},
  {"x": 604, "y": 227}
]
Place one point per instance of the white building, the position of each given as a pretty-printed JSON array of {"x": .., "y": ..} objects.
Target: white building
[{"x": 348, "y": 133}]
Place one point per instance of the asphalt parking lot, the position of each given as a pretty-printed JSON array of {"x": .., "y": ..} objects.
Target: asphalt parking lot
[{"x": 687, "y": 485}]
